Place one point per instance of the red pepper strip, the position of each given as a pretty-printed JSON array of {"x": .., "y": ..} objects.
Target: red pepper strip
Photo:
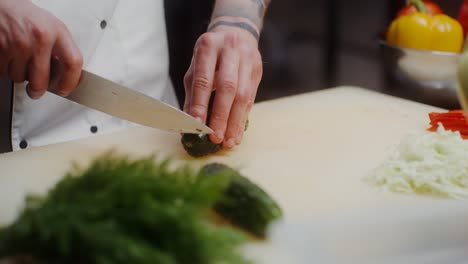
[
  {"x": 448, "y": 117},
  {"x": 461, "y": 122},
  {"x": 454, "y": 120},
  {"x": 450, "y": 114},
  {"x": 451, "y": 125},
  {"x": 450, "y": 120}
]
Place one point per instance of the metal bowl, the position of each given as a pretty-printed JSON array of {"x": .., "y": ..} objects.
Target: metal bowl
[{"x": 426, "y": 76}]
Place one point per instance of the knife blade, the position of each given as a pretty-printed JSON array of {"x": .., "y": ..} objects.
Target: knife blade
[{"x": 106, "y": 96}]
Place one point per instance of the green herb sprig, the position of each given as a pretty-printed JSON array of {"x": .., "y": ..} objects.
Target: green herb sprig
[{"x": 120, "y": 210}]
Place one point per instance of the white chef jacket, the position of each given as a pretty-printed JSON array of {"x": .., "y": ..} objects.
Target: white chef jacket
[{"x": 122, "y": 40}]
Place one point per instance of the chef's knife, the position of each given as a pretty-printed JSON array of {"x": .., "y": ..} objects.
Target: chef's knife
[{"x": 106, "y": 96}]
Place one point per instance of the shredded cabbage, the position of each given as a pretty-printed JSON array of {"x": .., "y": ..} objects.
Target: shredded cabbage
[{"x": 427, "y": 163}]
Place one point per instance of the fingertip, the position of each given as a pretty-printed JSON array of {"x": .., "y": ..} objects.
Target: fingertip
[
  {"x": 229, "y": 144},
  {"x": 214, "y": 139},
  {"x": 63, "y": 88},
  {"x": 63, "y": 93},
  {"x": 34, "y": 93},
  {"x": 217, "y": 137}
]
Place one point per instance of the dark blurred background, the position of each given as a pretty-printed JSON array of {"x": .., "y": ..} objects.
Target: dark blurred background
[{"x": 306, "y": 45}]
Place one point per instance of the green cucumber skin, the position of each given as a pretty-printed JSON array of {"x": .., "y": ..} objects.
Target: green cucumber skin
[
  {"x": 199, "y": 145},
  {"x": 244, "y": 203}
]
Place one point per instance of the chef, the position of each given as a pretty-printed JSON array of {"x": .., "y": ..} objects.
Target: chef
[{"x": 124, "y": 41}]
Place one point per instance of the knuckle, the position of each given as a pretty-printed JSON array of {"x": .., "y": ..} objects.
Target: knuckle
[
  {"x": 244, "y": 99},
  {"x": 219, "y": 116},
  {"x": 207, "y": 40},
  {"x": 22, "y": 44},
  {"x": 202, "y": 83},
  {"x": 228, "y": 86},
  {"x": 198, "y": 110},
  {"x": 75, "y": 62},
  {"x": 232, "y": 39},
  {"x": 60, "y": 25},
  {"x": 42, "y": 35}
]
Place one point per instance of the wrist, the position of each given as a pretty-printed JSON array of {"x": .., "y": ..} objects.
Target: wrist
[
  {"x": 238, "y": 22},
  {"x": 236, "y": 19}
]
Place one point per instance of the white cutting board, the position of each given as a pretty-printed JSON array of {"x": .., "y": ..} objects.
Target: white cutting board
[{"x": 309, "y": 151}]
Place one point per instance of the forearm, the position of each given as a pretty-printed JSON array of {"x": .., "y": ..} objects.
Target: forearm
[{"x": 251, "y": 12}]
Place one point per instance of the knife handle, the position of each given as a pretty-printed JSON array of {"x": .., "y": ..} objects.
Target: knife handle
[{"x": 55, "y": 73}]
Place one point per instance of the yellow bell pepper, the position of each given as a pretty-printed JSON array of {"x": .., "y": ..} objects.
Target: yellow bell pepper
[{"x": 421, "y": 31}]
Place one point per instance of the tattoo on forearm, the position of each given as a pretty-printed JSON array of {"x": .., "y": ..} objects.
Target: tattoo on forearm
[
  {"x": 238, "y": 12},
  {"x": 242, "y": 25},
  {"x": 261, "y": 6},
  {"x": 255, "y": 11}
]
